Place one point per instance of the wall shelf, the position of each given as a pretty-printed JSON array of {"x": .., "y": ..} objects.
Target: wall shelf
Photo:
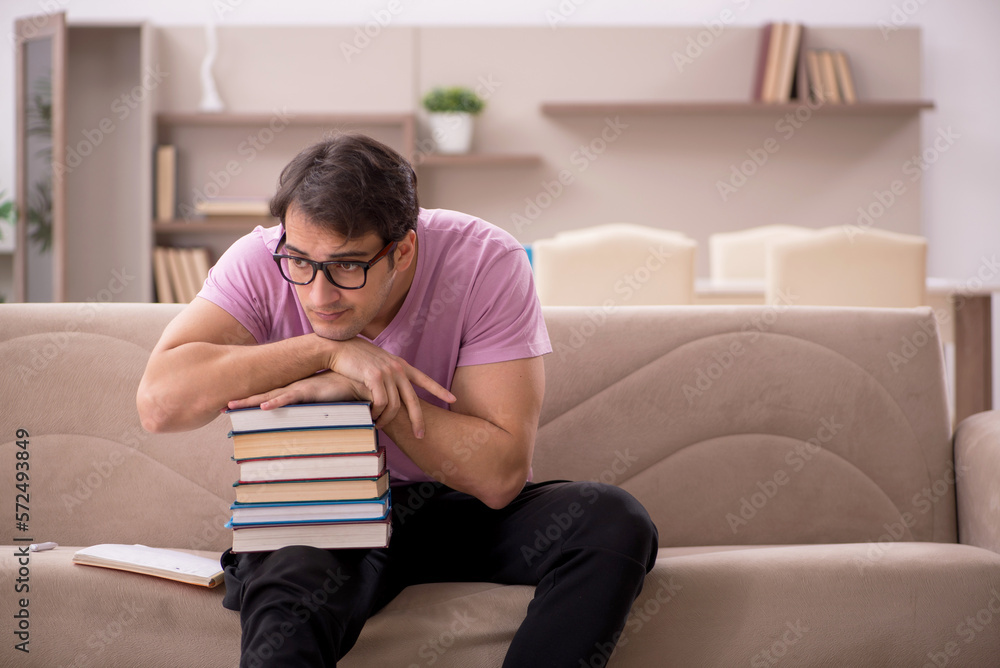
[
  {"x": 228, "y": 119},
  {"x": 225, "y": 225},
  {"x": 479, "y": 159},
  {"x": 666, "y": 108}
]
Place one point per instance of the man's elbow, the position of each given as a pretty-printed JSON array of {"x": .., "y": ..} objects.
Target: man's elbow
[
  {"x": 159, "y": 413},
  {"x": 506, "y": 488},
  {"x": 152, "y": 416}
]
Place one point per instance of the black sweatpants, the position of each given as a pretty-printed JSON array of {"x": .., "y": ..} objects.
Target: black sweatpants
[{"x": 586, "y": 547}]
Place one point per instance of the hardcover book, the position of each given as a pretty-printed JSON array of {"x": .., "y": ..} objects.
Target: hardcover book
[
  {"x": 166, "y": 182},
  {"x": 302, "y": 416},
  {"x": 306, "y": 467},
  {"x": 298, "y": 512},
  {"x": 787, "y": 62},
  {"x": 828, "y": 75},
  {"x": 761, "y": 69},
  {"x": 335, "y": 535},
  {"x": 845, "y": 80},
  {"x": 772, "y": 66},
  {"x": 326, "y": 489},
  {"x": 233, "y": 206},
  {"x": 294, "y": 442}
]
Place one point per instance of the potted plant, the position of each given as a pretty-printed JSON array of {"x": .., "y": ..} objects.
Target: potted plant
[
  {"x": 451, "y": 111},
  {"x": 8, "y": 219}
]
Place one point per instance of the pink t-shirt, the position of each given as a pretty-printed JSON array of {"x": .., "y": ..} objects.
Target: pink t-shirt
[{"x": 472, "y": 301}]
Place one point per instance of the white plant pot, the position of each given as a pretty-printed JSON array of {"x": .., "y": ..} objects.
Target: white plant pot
[{"x": 451, "y": 132}]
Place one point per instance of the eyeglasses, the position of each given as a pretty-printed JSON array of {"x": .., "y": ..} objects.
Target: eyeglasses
[{"x": 345, "y": 275}]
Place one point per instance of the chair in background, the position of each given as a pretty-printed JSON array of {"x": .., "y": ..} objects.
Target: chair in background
[
  {"x": 848, "y": 266},
  {"x": 623, "y": 263},
  {"x": 740, "y": 255}
]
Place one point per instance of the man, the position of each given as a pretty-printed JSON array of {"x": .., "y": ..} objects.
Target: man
[{"x": 432, "y": 316}]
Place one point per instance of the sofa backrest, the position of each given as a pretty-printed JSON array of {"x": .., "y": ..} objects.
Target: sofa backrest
[
  {"x": 70, "y": 373},
  {"x": 745, "y": 425},
  {"x": 756, "y": 424}
]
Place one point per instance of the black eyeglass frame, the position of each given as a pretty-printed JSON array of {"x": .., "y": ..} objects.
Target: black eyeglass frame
[{"x": 318, "y": 267}]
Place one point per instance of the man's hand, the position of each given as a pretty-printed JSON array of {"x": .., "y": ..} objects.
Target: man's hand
[
  {"x": 326, "y": 386},
  {"x": 388, "y": 380}
]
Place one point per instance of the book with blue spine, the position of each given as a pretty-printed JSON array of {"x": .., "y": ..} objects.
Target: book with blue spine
[
  {"x": 310, "y": 474},
  {"x": 302, "y": 416},
  {"x": 305, "y": 512}
]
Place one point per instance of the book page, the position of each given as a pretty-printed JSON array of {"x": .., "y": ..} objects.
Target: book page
[{"x": 153, "y": 558}]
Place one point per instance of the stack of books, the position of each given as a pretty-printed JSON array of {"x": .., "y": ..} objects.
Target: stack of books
[
  {"x": 787, "y": 71},
  {"x": 179, "y": 273},
  {"x": 233, "y": 206},
  {"x": 310, "y": 474}
]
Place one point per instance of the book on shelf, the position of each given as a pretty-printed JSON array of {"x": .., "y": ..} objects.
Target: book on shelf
[
  {"x": 760, "y": 70},
  {"x": 321, "y": 489},
  {"x": 771, "y": 63},
  {"x": 159, "y": 562},
  {"x": 178, "y": 276},
  {"x": 788, "y": 71},
  {"x": 816, "y": 89},
  {"x": 828, "y": 77},
  {"x": 800, "y": 79},
  {"x": 233, "y": 206},
  {"x": 189, "y": 272},
  {"x": 334, "y": 535},
  {"x": 161, "y": 276},
  {"x": 165, "y": 169},
  {"x": 307, "y": 467},
  {"x": 295, "y": 442},
  {"x": 845, "y": 81},
  {"x": 179, "y": 273},
  {"x": 787, "y": 63},
  {"x": 302, "y": 416},
  {"x": 298, "y": 512}
]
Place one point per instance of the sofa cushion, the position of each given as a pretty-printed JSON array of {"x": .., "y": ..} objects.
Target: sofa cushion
[
  {"x": 709, "y": 606},
  {"x": 89, "y": 616},
  {"x": 736, "y": 607}
]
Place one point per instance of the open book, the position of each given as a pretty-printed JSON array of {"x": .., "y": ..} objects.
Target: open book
[{"x": 169, "y": 564}]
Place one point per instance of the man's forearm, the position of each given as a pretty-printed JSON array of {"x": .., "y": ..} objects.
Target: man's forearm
[
  {"x": 185, "y": 387},
  {"x": 467, "y": 453}
]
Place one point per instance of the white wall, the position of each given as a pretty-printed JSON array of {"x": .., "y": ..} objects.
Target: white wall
[
  {"x": 961, "y": 189},
  {"x": 961, "y": 53}
]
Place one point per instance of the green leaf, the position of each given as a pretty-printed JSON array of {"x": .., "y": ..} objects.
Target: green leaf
[{"x": 453, "y": 99}]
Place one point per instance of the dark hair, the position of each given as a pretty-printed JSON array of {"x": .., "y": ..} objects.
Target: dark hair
[{"x": 352, "y": 184}]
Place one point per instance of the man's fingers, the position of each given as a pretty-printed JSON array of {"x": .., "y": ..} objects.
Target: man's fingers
[
  {"x": 267, "y": 400},
  {"x": 278, "y": 401},
  {"x": 255, "y": 400},
  {"x": 378, "y": 399},
  {"x": 391, "y": 405},
  {"x": 412, "y": 403},
  {"x": 423, "y": 380}
]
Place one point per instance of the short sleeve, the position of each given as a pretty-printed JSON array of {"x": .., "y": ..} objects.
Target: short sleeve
[
  {"x": 233, "y": 284},
  {"x": 504, "y": 319}
]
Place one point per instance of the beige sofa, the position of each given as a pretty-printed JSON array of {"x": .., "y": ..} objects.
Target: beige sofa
[{"x": 799, "y": 464}]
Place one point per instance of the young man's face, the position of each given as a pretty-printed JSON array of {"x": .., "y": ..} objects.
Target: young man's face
[{"x": 336, "y": 313}]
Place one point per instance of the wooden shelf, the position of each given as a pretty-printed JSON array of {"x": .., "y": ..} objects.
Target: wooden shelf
[
  {"x": 213, "y": 226},
  {"x": 665, "y": 108},
  {"x": 479, "y": 159},
  {"x": 228, "y": 119}
]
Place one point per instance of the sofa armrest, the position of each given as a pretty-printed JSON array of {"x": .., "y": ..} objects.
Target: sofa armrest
[{"x": 977, "y": 468}]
